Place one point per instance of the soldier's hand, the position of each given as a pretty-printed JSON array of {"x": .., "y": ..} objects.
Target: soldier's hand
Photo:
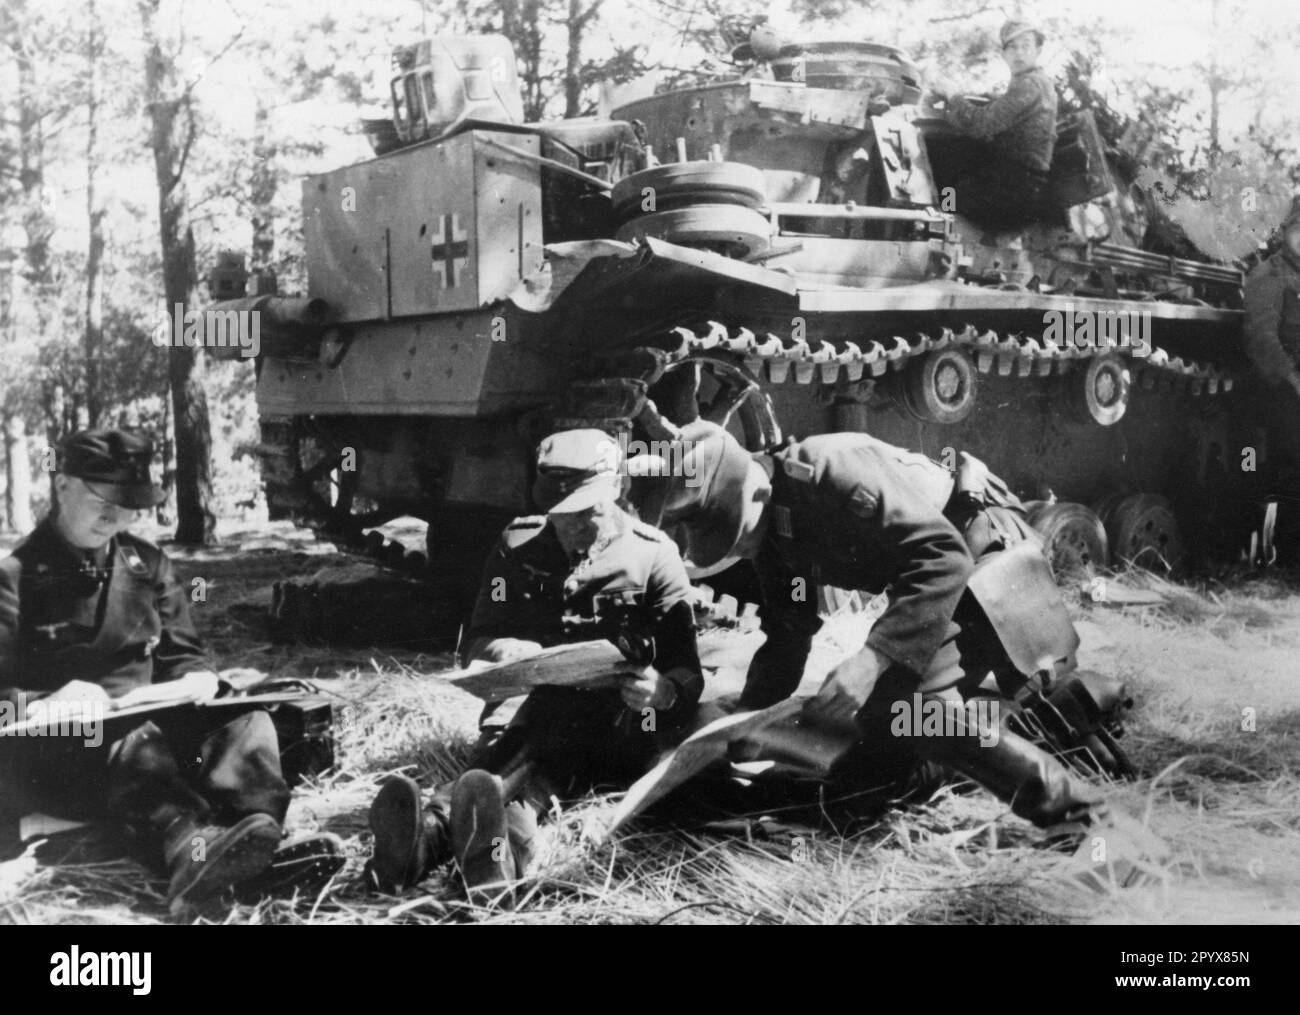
[
  {"x": 508, "y": 650},
  {"x": 78, "y": 690},
  {"x": 847, "y": 687},
  {"x": 647, "y": 688},
  {"x": 198, "y": 686}
]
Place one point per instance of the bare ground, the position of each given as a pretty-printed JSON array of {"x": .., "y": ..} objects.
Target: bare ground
[{"x": 1215, "y": 733}]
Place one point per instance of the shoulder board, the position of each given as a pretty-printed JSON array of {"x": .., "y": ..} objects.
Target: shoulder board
[
  {"x": 800, "y": 472},
  {"x": 521, "y": 530},
  {"x": 649, "y": 532},
  {"x": 131, "y": 539}
]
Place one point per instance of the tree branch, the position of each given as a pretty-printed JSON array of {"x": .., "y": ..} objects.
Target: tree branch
[
  {"x": 964, "y": 17},
  {"x": 185, "y": 94},
  {"x": 190, "y": 134}
]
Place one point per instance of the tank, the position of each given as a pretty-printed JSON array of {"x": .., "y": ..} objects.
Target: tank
[{"x": 770, "y": 251}]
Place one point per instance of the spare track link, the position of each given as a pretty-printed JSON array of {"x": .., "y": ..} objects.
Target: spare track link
[{"x": 292, "y": 489}]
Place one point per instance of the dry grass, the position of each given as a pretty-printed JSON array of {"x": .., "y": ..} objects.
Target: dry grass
[{"x": 1226, "y": 799}]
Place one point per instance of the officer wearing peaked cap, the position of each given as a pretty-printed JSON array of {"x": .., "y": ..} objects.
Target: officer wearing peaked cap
[
  {"x": 551, "y": 579},
  {"x": 95, "y": 617}
]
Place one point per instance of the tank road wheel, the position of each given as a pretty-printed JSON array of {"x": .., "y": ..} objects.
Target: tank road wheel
[
  {"x": 1104, "y": 394},
  {"x": 1074, "y": 539},
  {"x": 941, "y": 387},
  {"x": 1143, "y": 531},
  {"x": 681, "y": 184},
  {"x": 726, "y": 229},
  {"x": 722, "y": 392}
]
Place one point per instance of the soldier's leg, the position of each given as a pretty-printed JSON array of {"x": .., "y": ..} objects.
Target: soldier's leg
[
  {"x": 236, "y": 764},
  {"x": 1282, "y": 407},
  {"x": 146, "y": 785},
  {"x": 1036, "y": 785},
  {"x": 999, "y": 196},
  {"x": 162, "y": 796},
  {"x": 68, "y": 779},
  {"x": 413, "y": 834}
]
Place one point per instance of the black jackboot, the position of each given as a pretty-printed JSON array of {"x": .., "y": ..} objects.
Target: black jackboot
[
  {"x": 1113, "y": 849},
  {"x": 1037, "y": 786}
]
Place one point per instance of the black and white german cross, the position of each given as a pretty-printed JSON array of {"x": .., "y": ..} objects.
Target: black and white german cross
[{"x": 450, "y": 249}]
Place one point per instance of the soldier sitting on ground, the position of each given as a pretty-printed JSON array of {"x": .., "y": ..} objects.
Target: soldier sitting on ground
[
  {"x": 1005, "y": 191},
  {"x": 95, "y": 619},
  {"x": 549, "y": 580}
]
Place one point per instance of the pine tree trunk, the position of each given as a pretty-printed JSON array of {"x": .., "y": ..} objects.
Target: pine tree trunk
[
  {"x": 262, "y": 189},
  {"x": 18, "y": 475},
  {"x": 93, "y": 338},
  {"x": 573, "y": 60},
  {"x": 172, "y": 133}
]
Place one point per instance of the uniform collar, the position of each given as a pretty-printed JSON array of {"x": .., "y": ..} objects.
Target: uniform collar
[
  {"x": 1290, "y": 258},
  {"x": 619, "y": 525},
  {"x": 64, "y": 558},
  {"x": 49, "y": 533}
]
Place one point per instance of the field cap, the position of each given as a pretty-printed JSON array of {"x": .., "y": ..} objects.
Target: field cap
[
  {"x": 1013, "y": 30},
  {"x": 113, "y": 464},
  {"x": 717, "y": 498}
]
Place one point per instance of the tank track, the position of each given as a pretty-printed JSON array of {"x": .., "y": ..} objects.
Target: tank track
[{"x": 780, "y": 361}]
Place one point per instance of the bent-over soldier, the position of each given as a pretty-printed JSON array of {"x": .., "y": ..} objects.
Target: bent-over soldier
[{"x": 853, "y": 512}]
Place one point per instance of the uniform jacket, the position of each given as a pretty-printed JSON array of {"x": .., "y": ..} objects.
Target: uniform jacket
[
  {"x": 530, "y": 587},
  {"x": 1021, "y": 122},
  {"x": 851, "y": 511},
  {"x": 1273, "y": 317},
  {"x": 123, "y": 629}
]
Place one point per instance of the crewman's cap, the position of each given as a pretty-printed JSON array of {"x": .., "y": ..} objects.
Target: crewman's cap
[
  {"x": 1013, "y": 30},
  {"x": 713, "y": 502},
  {"x": 577, "y": 469},
  {"x": 115, "y": 465}
]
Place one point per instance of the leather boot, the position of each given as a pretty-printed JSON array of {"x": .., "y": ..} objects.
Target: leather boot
[
  {"x": 521, "y": 830},
  {"x": 304, "y": 865},
  {"x": 204, "y": 860},
  {"x": 480, "y": 836},
  {"x": 1038, "y": 787},
  {"x": 408, "y": 842}
]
